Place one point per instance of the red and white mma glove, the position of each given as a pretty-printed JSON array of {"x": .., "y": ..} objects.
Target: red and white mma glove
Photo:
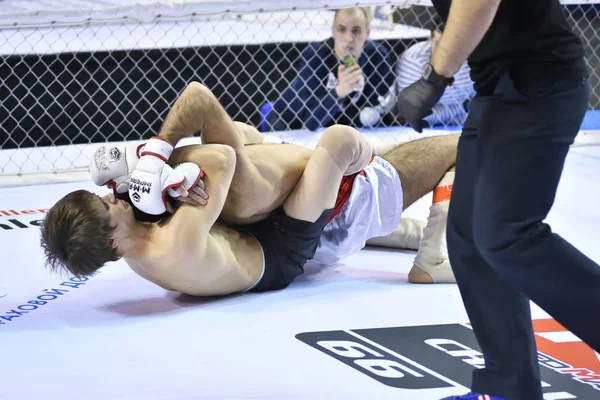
[
  {"x": 113, "y": 163},
  {"x": 152, "y": 177},
  {"x": 192, "y": 173}
]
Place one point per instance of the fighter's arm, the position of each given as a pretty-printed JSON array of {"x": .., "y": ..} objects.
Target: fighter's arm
[
  {"x": 189, "y": 231},
  {"x": 197, "y": 109},
  {"x": 190, "y": 223},
  {"x": 253, "y": 136},
  {"x": 468, "y": 21},
  {"x": 250, "y": 134}
]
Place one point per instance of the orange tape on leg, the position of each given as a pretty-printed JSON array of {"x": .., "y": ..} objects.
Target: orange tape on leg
[{"x": 442, "y": 193}]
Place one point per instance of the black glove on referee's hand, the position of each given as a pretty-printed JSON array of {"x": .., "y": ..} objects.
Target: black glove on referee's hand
[{"x": 416, "y": 101}]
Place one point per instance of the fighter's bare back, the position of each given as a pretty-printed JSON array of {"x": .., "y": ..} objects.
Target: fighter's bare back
[{"x": 259, "y": 185}]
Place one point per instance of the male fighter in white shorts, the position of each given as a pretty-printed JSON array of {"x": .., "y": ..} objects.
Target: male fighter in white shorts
[{"x": 369, "y": 203}]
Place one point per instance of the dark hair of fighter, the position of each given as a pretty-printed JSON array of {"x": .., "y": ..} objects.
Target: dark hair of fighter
[{"x": 76, "y": 235}]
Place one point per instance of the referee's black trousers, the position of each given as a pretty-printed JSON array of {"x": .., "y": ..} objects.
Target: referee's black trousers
[{"x": 510, "y": 159}]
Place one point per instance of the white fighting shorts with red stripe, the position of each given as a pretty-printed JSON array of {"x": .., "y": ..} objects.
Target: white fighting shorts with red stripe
[{"x": 369, "y": 205}]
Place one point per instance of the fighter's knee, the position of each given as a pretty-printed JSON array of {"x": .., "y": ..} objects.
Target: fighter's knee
[
  {"x": 339, "y": 137},
  {"x": 347, "y": 146}
]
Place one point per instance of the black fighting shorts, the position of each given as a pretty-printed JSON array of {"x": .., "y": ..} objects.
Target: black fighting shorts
[{"x": 287, "y": 245}]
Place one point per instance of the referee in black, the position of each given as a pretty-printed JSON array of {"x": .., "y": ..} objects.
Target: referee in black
[{"x": 532, "y": 93}]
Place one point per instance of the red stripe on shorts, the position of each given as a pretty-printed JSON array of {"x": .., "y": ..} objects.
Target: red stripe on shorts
[{"x": 344, "y": 192}]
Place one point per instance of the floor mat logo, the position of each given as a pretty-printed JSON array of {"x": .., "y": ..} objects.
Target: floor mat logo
[
  {"x": 437, "y": 356},
  {"x": 565, "y": 353}
]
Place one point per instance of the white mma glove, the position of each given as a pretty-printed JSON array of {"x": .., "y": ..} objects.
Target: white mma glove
[
  {"x": 192, "y": 173},
  {"x": 113, "y": 163},
  {"x": 152, "y": 177}
]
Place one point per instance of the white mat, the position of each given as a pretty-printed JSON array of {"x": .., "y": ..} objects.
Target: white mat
[{"x": 117, "y": 336}]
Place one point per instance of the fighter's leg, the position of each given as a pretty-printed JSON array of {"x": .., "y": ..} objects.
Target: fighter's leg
[
  {"x": 408, "y": 235},
  {"x": 291, "y": 235},
  {"x": 432, "y": 263},
  {"x": 422, "y": 163},
  {"x": 425, "y": 165},
  {"x": 341, "y": 150}
]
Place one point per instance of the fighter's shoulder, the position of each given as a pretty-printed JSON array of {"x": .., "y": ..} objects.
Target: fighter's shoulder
[{"x": 181, "y": 234}]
